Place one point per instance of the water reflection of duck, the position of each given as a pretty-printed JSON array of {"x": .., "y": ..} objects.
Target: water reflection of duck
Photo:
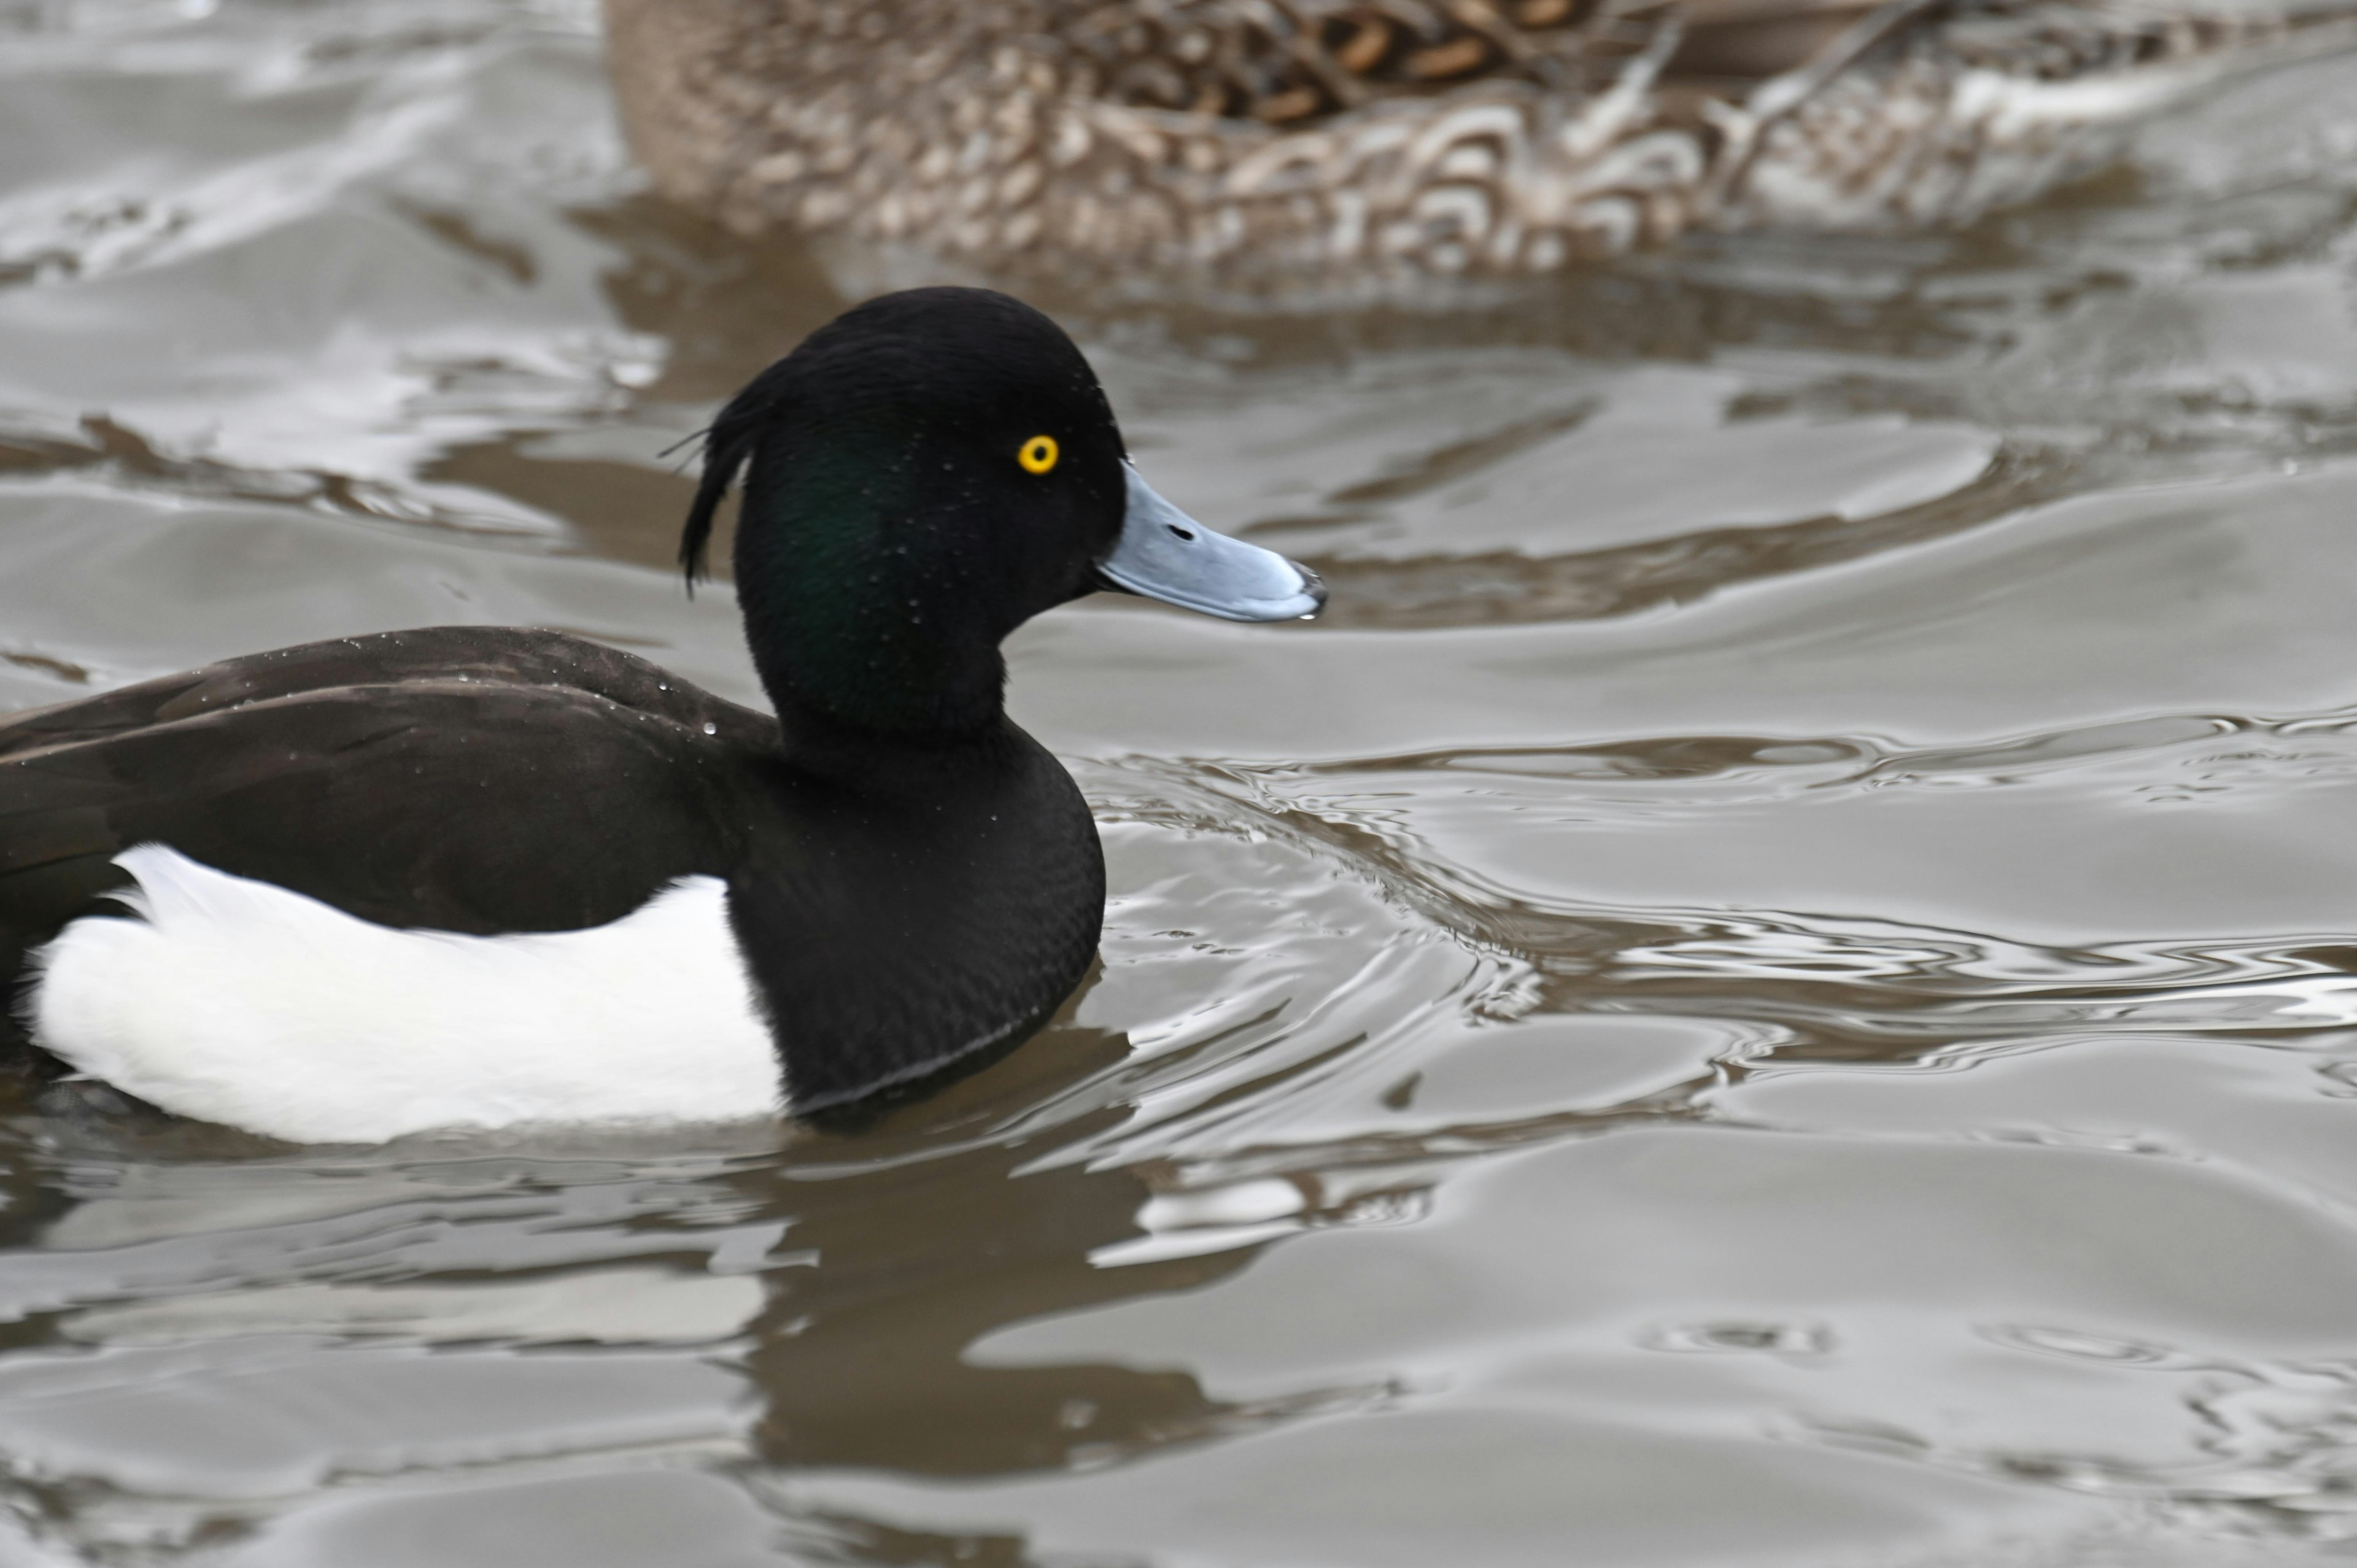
[
  {"x": 1308, "y": 137},
  {"x": 484, "y": 876}
]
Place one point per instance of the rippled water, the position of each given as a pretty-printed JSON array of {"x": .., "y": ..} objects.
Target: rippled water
[{"x": 1771, "y": 987}]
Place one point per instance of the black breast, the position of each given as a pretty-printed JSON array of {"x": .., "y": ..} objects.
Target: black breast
[{"x": 916, "y": 906}]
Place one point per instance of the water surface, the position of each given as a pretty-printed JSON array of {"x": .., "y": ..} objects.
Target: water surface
[{"x": 1773, "y": 986}]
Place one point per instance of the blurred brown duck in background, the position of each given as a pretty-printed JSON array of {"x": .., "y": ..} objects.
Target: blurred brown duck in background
[{"x": 1298, "y": 140}]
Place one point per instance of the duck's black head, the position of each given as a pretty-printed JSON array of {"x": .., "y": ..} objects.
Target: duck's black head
[{"x": 924, "y": 473}]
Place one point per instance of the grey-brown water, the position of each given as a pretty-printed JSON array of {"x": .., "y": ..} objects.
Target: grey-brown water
[{"x": 1771, "y": 987}]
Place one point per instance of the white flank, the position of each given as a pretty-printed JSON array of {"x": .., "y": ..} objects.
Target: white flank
[{"x": 238, "y": 1001}]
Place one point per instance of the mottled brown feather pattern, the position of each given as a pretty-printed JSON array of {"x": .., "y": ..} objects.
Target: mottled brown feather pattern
[{"x": 1309, "y": 140}]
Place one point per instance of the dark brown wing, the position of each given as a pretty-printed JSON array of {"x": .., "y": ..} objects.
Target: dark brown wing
[
  {"x": 1291, "y": 63},
  {"x": 461, "y": 779}
]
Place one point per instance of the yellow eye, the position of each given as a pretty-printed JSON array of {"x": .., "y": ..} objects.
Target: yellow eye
[{"x": 1039, "y": 454}]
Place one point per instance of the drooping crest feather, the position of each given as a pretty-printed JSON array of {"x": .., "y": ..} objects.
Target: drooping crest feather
[{"x": 728, "y": 446}]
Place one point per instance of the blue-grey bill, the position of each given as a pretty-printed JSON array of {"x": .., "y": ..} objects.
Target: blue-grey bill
[{"x": 1165, "y": 554}]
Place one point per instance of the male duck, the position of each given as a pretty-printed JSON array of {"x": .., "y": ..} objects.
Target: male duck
[
  {"x": 1284, "y": 140},
  {"x": 484, "y": 876}
]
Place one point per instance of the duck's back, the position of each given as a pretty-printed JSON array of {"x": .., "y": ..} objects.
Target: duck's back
[
  {"x": 465, "y": 779},
  {"x": 1334, "y": 141},
  {"x": 292, "y": 811}
]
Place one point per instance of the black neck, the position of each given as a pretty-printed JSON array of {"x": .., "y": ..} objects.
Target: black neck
[{"x": 870, "y": 602}]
